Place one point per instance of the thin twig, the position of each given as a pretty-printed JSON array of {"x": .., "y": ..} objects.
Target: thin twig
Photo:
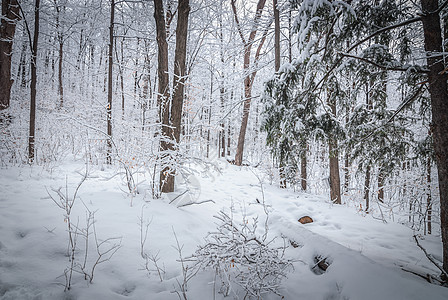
[{"x": 200, "y": 202}]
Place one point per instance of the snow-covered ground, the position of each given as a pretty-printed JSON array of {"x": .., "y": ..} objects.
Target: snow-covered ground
[{"x": 366, "y": 255}]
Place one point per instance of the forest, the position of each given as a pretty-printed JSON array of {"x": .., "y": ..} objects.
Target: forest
[{"x": 224, "y": 149}]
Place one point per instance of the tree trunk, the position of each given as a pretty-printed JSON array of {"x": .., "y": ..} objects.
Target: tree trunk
[
  {"x": 61, "y": 52},
  {"x": 335, "y": 180},
  {"x": 209, "y": 113},
  {"x": 245, "y": 119},
  {"x": 281, "y": 169},
  {"x": 32, "y": 131},
  {"x": 60, "y": 86},
  {"x": 439, "y": 105},
  {"x": 346, "y": 172},
  {"x": 248, "y": 80},
  {"x": 229, "y": 132},
  {"x": 173, "y": 132},
  {"x": 109, "y": 83},
  {"x": 276, "y": 36},
  {"x": 222, "y": 91},
  {"x": 367, "y": 189},
  {"x": 428, "y": 199},
  {"x": 10, "y": 14},
  {"x": 303, "y": 173},
  {"x": 166, "y": 182},
  {"x": 21, "y": 72},
  {"x": 381, "y": 187},
  {"x": 180, "y": 56}
]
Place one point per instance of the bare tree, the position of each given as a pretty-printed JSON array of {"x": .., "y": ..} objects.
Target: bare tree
[
  {"x": 33, "y": 46},
  {"x": 171, "y": 118},
  {"x": 438, "y": 90},
  {"x": 163, "y": 89},
  {"x": 9, "y": 17},
  {"x": 109, "y": 82},
  {"x": 249, "y": 76}
]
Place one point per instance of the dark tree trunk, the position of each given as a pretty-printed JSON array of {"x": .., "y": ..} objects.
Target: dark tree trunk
[
  {"x": 166, "y": 181},
  {"x": 180, "y": 55},
  {"x": 335, "y": 180},
  {"x": 109, "y": 83},
  {"x": 276, "y": 36},
  {"x": 222, "y": 92},
  {"x": 303, "y": 173},
  {"x": 21, "y": 72},
  {"x": 367, "y": 189},
  {"x": 346, "y": 172},
  {"x": 60, "y": 39},
  {"x": 439, "y": 105},
  {"x": 281, "y": 169},
  {"x": 228, "y": 139},
  {"x": 172, "y": 117},
  {"x": 60, "y": 86},
  {"x": 248, "y": 80},
  {"x": 10, "y": 15},
  {"x": 429, "y": 199},
  {"x": 32, "y": 131},
  {"x": 381, "y": 179}
]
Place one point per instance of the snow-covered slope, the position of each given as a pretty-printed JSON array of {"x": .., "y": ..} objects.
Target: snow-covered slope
[{"x": 366, "y": 255}]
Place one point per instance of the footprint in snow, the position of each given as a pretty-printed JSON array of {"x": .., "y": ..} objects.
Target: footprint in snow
[{"x": 126, "y": 289}]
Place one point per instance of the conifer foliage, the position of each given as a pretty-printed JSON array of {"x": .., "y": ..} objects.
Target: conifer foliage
[{"x": 356, "y": 85}]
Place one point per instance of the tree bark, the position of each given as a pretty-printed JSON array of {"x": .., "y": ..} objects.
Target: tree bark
[
  {"x": 222, "y": 91},
  {"x": 171, "y": 119},
  {"x": 276, "y": 36},
  {"x": 32, "y": 131},
  {"x": 60, "y": 86},
  {"x": 303, "y": 173},
  {"x": 429, "y": 199},
  {"x": 439, "y": 105},
  {"x": 166, "y": 182},
  {"x": 10, "y": 15},
  {"x": 61, "y": 52},
  {"x": 367, "y": 189},
  {"x": 335, "y": 180},
  {"x": 109, "y": 83},
  {"x": 248, "y": 80},
  {"x": 381, "y": 179},
  {"x": 180, "y": 55}
]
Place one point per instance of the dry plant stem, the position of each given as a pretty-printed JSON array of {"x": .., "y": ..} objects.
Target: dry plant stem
[
  {"x": 143, "y": 233},
  {"x": 103, "y": 256},
  {"x": 144, "y": 227},
  {"x": 186, "y": 274}
]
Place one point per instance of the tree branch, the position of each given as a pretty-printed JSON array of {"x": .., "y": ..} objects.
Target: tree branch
[
  {"x": 404, "y": 23},
  {"x": 237, "y": 21},
  {"x": 429, "y": 256},
  {"x": 257, "y": 53},
  {"x": 401, "y": 69}
]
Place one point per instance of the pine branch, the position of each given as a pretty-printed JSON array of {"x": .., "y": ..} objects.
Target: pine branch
[
  {"x": 378, "y": 32},
  {"x": 386, "y": 68}
]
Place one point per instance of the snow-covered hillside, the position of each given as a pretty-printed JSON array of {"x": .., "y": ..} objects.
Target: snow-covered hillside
[{"x": 366, "y": 257}]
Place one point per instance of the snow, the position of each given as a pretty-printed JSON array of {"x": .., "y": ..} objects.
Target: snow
[{"x": 366, "y": 255}]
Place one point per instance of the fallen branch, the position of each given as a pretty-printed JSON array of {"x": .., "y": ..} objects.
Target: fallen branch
[
  {"x": 428, "y": 277},
  {"x": 191, "y": 203},
  {"x": 431, "y": 259},
  {"x": 178, "y": 196}
]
